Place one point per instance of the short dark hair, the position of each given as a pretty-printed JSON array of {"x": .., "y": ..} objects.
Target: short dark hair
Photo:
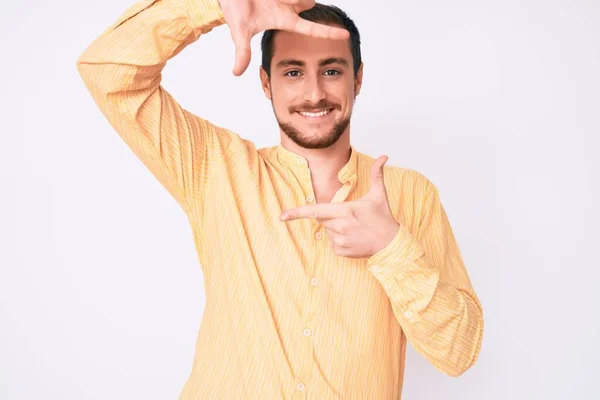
[{"x": 320, "y": 13}]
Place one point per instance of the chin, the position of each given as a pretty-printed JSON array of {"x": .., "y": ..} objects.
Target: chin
[
  {"x": 315, "y": 132},
  {"x": 315, "y": 141}
]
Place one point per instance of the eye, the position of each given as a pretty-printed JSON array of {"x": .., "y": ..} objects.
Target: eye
[
  {"x": 332, "y": 72},
  {"x": 293, "y": 74}
]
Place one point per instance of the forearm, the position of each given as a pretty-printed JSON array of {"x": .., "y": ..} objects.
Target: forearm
[{"x": 441, "y": 317}]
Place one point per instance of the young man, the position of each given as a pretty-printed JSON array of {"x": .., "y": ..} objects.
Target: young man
[{"x": 320, "y": 263}]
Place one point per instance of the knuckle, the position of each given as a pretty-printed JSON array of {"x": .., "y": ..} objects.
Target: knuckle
[{"x": 350, "y": 213}]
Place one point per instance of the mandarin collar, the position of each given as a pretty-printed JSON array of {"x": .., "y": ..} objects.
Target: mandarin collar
[{"x": 293, "y": 160}]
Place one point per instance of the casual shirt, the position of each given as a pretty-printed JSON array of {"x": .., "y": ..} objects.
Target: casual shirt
[{"x": 285, "y": 316}]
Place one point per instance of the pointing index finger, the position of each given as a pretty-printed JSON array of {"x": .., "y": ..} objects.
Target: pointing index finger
[{"x": 323, "y": 211}]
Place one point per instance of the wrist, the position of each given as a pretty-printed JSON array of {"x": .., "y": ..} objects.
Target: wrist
[{"x": 386, "y": 237}]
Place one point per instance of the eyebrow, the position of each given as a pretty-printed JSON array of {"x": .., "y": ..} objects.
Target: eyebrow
[{"x": 322, "y": 63}]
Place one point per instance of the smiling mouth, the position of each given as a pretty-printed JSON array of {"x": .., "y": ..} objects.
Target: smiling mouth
[{"x": 318, "y": 114}]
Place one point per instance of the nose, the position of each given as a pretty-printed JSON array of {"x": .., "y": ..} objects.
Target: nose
[{"x": 314, "y": 91}]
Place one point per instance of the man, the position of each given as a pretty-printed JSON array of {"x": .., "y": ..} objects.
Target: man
[{"x": 320, "y": 263}]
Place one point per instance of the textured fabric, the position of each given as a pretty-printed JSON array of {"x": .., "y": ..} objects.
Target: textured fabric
[{"x": 285, "y": 317}]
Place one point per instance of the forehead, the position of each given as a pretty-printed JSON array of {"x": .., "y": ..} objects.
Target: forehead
[{"x": 289, "y": 45}]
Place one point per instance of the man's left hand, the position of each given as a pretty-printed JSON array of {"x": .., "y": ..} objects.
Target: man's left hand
[{"x": 357, "y": 229}]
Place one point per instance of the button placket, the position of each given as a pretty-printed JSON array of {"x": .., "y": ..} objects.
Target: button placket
[{"x": 306, "y": 335}]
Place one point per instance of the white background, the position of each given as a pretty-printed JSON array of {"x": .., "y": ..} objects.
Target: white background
[{"x": 497, "y": 102}]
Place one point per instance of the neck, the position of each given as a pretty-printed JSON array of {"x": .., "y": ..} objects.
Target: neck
[{"x": 324, "y": 164}]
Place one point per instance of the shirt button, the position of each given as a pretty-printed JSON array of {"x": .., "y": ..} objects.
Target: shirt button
[
  {"x": 408, "y": 314},
  {"x": 318, "y": 235},
  {"x": 300, "y": 161},
  {"x": 309, "y": 198},
  {"x": 300, "y": 387},
  {"x": 314, "y": 281},
  {"x": 306, "y": 332}
]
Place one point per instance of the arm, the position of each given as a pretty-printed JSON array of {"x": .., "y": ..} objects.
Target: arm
[
  {"x": 430, "y": 291},
  {"x": 122, "y": 70}
]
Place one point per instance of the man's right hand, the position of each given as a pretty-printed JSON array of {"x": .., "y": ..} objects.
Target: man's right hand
[{"x": 246, "y": 18}]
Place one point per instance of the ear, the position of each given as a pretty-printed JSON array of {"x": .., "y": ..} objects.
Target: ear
[
  {"x": 358, "y": 80},
  {"x": 265, "y": 82}
]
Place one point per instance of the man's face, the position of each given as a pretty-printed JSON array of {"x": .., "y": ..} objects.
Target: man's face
[{"x": 312, "y": 88}]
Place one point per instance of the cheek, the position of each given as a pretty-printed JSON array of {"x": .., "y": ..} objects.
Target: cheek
[
  {"x": 283, "y": 97},
  {"x": 282, "y": 108},
  {"x": 341, "y": 93}
]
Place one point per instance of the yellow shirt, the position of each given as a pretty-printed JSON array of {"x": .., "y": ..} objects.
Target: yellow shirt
[{"x": 285, "y": 317}]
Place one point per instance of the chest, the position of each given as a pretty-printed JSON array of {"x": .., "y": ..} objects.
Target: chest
[
  {"x": 247, "y": 249},
  {"x": 241, "y": 224}
]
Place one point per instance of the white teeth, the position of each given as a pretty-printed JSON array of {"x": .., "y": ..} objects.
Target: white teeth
[{"x": 315, "y": 115}]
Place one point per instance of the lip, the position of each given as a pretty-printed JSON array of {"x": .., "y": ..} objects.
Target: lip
[{"x": 329, "y": 113}]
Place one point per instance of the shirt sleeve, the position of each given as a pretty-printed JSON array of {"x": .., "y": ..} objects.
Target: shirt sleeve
[
  {"x": 430, "y": 292},
  {"x": 122, "y": 69}
]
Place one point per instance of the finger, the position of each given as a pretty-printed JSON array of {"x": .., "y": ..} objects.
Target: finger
[
  {"x": 377, "y": 187},
  {"x": 323, "y": 211},
  {"x": 243, "y": 52},
  {"x": 333, "y": 225},
  {"x": 305, "y": 27},
  {"x": 339, "y": 241},
  {"x": 377, "y": 170},
  {"x": 299, "y": 5}
]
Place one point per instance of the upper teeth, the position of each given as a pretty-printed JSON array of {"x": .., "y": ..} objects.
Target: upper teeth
[{"x": 313, "y": 115}]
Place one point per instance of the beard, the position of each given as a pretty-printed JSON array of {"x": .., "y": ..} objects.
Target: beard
[{"x": 314, "y": 142}]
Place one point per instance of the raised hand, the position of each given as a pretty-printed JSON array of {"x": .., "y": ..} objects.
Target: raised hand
[
  {"x": 357, "y": 229},
  {"x": 246, "y": 18}
]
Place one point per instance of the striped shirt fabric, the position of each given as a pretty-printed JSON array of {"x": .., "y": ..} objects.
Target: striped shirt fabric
[{"x": 285, "y": 317}]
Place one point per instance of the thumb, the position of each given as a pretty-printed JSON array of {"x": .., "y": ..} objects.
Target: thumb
[
  {"x": 242, "y": 52},
  {"x": 377, "y": 187}
]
